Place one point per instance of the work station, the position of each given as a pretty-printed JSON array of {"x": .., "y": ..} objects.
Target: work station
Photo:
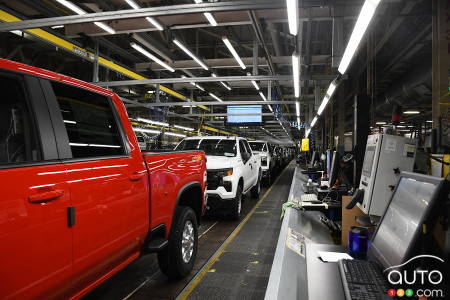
[{"x": 224, "y": 149}]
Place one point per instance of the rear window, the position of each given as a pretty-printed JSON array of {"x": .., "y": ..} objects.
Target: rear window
[
  {"x": 212, "y": 147},
  {"x": 89, "y": 121},
  {"x": 18, "y": 141}
]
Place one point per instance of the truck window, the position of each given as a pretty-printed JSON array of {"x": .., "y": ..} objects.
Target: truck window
[
  {"x": 89, "y": 121},
  {"x": 17, "y": 137}
]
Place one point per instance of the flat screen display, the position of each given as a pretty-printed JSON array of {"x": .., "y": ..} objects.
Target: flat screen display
[
  {"x": 403, "y": 219},
  {"x": 249, "y": 114},
  {"x": 368, "y": 160}
]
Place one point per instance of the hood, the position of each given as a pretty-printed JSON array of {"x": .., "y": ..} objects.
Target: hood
[{"x": 219, "y": 162}]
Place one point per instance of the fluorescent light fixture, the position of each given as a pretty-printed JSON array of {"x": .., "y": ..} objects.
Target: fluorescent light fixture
[
  {"x": 292, "y": 10},
  {"x": 192, "y": 55},
  {"x": 57, "y": 26},
  {"x": 401, "y": 126},
  {"x": 153, "y": 21},
  {"x": 307, "y": 131},
  {"x": 221, "y": 82},
  {"x": 429, "y": 121},
  {"x": 215, "y": 97},
  {"x": 233, "y": 52},
  {"x": 323, "y": 105},
  {"x": 81, "y": 11},
  {"x": 210, "y": 19},
  {"x": 183, "y": 128},
  {"x": 254, "y": 82},
  {"x": 70, "y": 122},
  {"x": 152, "y": 122},
  {"x": 105, "y": 27},
  {"x": 331, "y": 89},
  {"x": 263, "y": 97},
  {"x": 298, "y": 122},
  {"x": 411, "y": 112},
  {"x": 364, "y": 18},
  {"x": 313, "y": 122},
  {"x": 72, "y": 7},
  {"x": 175, "y": 134},
  {"x": 296, "y": 74},
  {"x": 152, "y": 57},
  {"x": 208, "y": 16},
  {"x": 270, "y": 107},
  {"x": 297, "y": 108},
  {"x": 226, "y": 85},
  {"x": 145, "y": 130},
  {"x": 380, "y": 123}
]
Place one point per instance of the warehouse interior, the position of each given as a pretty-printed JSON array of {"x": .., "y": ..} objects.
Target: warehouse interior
[{"x": 324, "y": 79}]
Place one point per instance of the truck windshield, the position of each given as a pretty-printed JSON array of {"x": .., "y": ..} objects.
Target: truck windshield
[
  {"x": 257, "y": 146},
  {"x": 212, "y": 147}
]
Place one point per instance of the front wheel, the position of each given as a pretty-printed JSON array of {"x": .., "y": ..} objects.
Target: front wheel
[
  {"x": 256, "y": 190},
  {"x": 236, "y": 205},
  {"x": 177, "y": 259}
]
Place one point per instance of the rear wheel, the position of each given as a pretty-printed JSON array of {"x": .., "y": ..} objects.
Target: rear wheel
[
  {"x": 256, "y": 190},
  {"x": 177, "y": 259},
  {"x": 236, "y": 205}
]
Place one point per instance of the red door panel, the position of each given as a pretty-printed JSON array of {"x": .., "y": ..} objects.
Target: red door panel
[
  {"x": 35, "y": 239},
  {"x": 111, "y": 200}
]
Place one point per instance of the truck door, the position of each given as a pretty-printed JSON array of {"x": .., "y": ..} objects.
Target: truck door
[
  {"x": 246, "y": 169},
  {"x": 107, "y": 180},
  {"x": 254, "y": 165},
  {"x": 35, "y": 232}
]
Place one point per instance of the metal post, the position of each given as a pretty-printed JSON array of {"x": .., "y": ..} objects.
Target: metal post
[
  {"x": 360, "y": 133},
  {"x": 255, "y": 57},
  {"x": 441, "y": 67},
  {"x": 96, "y": 66}
]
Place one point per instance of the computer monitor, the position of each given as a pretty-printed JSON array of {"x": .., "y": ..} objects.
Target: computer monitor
[
  {"x": 414, "y": 202},
  {"x": 334, "y": 173}
]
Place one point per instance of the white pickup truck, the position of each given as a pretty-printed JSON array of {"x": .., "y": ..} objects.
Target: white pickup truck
[
  {"x": 233, "y": 170},
  {"x": 267, "y": 162}
]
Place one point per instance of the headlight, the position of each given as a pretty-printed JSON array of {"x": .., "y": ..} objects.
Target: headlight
[{"x": 224, "y": 172}]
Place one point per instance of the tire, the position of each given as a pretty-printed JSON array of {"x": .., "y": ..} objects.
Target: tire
[
  {"x": 236, "y": 205},
  {"x": 256, "y": 190},
  {"x": 268, "y": 178},
  {"x": 176, "y": 261}
]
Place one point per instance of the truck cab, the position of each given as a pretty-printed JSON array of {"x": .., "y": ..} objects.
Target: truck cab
[
  {"x": 233, "y": 171},
  {"x": 267, "y": 162}
]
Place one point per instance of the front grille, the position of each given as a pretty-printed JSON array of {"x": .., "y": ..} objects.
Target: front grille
[{"x": 213, "y": 180}]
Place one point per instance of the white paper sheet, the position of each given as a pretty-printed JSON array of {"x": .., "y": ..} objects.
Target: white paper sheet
[{"x": 333, "y": 256}]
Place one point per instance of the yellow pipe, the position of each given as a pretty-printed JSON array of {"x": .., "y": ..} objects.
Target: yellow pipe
[{"x": 62, "y": 43}]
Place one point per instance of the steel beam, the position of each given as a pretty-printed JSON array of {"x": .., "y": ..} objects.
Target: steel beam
[
  {"x": 226, "y": 63},
  {"x": 144, "y": 12},
  {"x": 193, "y": 79},
  {"x": 216, "y": 103},
  {"x": 226, "y": 114}
]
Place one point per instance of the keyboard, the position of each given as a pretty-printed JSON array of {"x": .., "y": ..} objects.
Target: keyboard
[
  {"x": 308, "y": 198},
  {"x": 362, "y": 280}
]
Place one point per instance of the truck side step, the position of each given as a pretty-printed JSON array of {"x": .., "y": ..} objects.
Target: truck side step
[{"x": 157, "y": 245}]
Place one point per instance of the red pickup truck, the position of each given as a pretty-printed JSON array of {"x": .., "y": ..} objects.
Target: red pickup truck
[{"x": 79, "y": 201}]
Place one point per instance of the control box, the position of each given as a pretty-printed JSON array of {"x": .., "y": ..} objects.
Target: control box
[{"x": 386, "y": 156}]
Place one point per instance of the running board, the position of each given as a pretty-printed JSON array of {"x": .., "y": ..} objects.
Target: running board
[{"x": 157, "y": 245}]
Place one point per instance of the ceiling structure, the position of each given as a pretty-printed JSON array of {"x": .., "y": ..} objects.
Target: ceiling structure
[{"x": 257, "y": 30}]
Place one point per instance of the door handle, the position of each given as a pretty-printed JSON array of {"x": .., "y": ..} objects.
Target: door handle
[
  {"x": 136, "y": 176},
  {"x": 46, "y": 196}
]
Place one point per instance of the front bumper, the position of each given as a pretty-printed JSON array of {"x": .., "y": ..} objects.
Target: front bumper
[{"x": 216, "y": 204}]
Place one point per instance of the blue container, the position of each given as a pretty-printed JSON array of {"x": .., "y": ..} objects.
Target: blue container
[{"x": 358, "y": 242}]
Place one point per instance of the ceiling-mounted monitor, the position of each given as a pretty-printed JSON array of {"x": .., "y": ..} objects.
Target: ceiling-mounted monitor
[{"x": 248, "y": 115}]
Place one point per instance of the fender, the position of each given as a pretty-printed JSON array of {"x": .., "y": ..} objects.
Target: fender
[{"x": 180, "y": 193}]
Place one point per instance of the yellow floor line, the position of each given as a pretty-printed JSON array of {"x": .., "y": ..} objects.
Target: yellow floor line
[{"x": 206, "y": 268}]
